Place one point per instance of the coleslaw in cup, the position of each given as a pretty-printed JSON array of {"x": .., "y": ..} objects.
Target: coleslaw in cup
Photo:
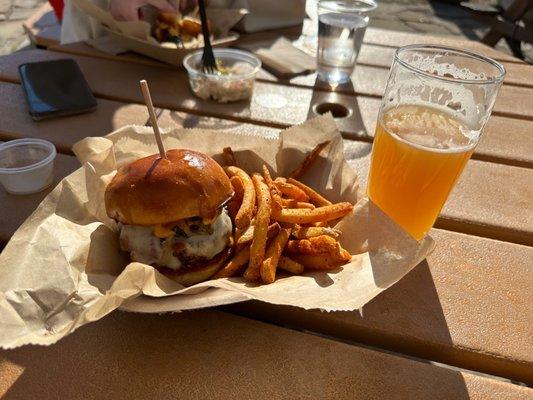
[{"x": 233, "y": 82}]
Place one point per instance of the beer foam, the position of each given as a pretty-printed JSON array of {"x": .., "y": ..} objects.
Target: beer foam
[
  {"x": 454, "y": 98},
  {"x": 429, "y": 128},
  {"x": 444, "y": 70},
  {"x": 463, "y": 100}
]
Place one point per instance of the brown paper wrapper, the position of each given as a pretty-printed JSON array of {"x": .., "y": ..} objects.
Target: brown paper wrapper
[
  {"x": 135, "y": 35},
  {"x": 63, "y": 268}
]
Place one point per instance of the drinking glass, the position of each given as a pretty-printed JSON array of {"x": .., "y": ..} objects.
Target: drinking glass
[
  {"x": 341, "y": 27},
  {"x": 436, "y": 104}
]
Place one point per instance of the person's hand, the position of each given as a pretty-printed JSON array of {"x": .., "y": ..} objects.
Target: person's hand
[
  {"x": 128, "y": 10},
  {"x": 188, "y": 4}
]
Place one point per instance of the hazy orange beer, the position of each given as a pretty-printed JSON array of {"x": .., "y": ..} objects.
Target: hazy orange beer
[{"x": 433, "y": 112}]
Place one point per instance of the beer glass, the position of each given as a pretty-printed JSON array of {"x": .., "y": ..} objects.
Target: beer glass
[{"x": 436, "y": 104}]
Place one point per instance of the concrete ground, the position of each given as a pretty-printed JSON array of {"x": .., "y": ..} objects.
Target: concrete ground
[
  {"x": 12, "y": 15},
  {"x": 435, "y": 17},
  {"x": 422, "y": 16}
]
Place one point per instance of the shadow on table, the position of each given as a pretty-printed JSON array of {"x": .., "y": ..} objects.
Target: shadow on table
[
  {"x": 65, "y": 131},
  {"x": 134, "y": 356},
  {"x": 457, "y": 15},
  {"x": 185, "y": 120},
  {"x": 347, "y": 114},
  {"x": 240, "y": 109}
]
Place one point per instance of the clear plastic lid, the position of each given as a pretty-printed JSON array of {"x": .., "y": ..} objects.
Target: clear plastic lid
[
  {"x": 23, "y": 155},
  {"x": 227, "y": 58}
]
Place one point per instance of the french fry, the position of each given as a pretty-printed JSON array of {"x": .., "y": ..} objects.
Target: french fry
[
  {"x": 245, "y": 213},
  {"x": 267, "y": 212},
  {"x": 268, "y": 178},
  {"x": 229, "y": 157},
  {"x": 314, "y": 245},
  {"x": 306, "y": 232},
  {"x": 291, "y": 203},
  {"x": 239, "y": 260},
  {"x": 238, "y": 186},
  {"x": 308, "y": 160},
  {"x": 306, "y": 216},
  {"x": 191, "y": 26},
  {"x": 262, "y": 218},
  {"x": 291, "y": 191},
  {"x": 289, "y": 265},
  {"x": 314, "y": 197},
  {"x": 303, "y": 204},
  {"x": 235, "y": 203},
  {"x": 275, "y": 194},
  {"x": 272, "y": 255},
  {"x": 277, "y": 202},
  {"x": 248, "y": 235},
  {"x": 322, "y": 262},
  {"x": 321, "y": 224}
]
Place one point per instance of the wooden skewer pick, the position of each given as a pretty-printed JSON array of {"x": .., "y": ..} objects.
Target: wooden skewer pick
[{"x": 153, "y": 118}]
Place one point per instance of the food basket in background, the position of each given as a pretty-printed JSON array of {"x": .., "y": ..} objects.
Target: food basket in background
[{"x": 137, "y": 36}]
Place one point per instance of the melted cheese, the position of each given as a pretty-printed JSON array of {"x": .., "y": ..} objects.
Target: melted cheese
[
  {"x": 145, "y": 247},
  {"x": 209, "y": 246}
]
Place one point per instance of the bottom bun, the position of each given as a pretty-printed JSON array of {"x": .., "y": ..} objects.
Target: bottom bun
[{"x": 194, "y": 275}]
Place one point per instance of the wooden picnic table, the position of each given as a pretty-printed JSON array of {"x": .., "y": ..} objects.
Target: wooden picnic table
[{"x": 458, "y": 326}]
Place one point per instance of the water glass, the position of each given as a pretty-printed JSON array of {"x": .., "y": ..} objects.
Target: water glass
[{"x": 341, "y": 27}]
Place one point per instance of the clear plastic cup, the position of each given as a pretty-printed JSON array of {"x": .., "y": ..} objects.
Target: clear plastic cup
[
  {"x": 341, "y": 28},
  {"x": 26, "y": 165}
]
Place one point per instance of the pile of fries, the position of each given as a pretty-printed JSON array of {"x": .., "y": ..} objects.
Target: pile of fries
[{"x": 281, "y": 223}]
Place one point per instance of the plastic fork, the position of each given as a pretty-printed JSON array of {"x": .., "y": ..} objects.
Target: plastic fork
[{"x": 209, "y": 64}]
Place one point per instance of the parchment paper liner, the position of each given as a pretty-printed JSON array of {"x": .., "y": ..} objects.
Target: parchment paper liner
[{"x": 62, "y": 268}]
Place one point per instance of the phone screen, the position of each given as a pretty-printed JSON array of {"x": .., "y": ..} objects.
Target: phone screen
[{"x": 56, "y": 88}]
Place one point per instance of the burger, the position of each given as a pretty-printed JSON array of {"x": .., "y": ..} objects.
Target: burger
[{"x": 171, "y": 213}]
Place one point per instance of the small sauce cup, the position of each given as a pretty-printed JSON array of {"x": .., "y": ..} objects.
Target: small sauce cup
[{"x": 26, "y": 165}]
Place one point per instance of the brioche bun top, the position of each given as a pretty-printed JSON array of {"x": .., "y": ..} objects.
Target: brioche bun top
[{"x": 153, "y": 190}]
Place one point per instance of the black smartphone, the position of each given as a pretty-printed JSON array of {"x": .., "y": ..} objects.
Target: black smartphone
[{"x": 56, "y": 88}]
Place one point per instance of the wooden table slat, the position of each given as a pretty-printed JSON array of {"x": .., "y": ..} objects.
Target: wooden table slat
[
  {"x": 83, "y": 49},
  {"x": 136, "y": 356},
  {"x": 391, "y": 38},
  {"x": 512, "y": 101},
  {"x": 16, "y": 208},
  {"x": 442, "y": 313},
  {"x": 490, "y": 200},
  {"x": 64, "y": 131},
  {"x": 369, "y": 56},
  {"x": 378, "y": 56},
  {"x": 468, "y": 305},
  {"x": 272, "y": 105},
  {"x": 483, "y": 187},
  {"x": 109, "y": 116}
]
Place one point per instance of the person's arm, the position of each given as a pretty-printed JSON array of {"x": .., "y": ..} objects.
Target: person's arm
[{"x": 128, "y": 10}]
